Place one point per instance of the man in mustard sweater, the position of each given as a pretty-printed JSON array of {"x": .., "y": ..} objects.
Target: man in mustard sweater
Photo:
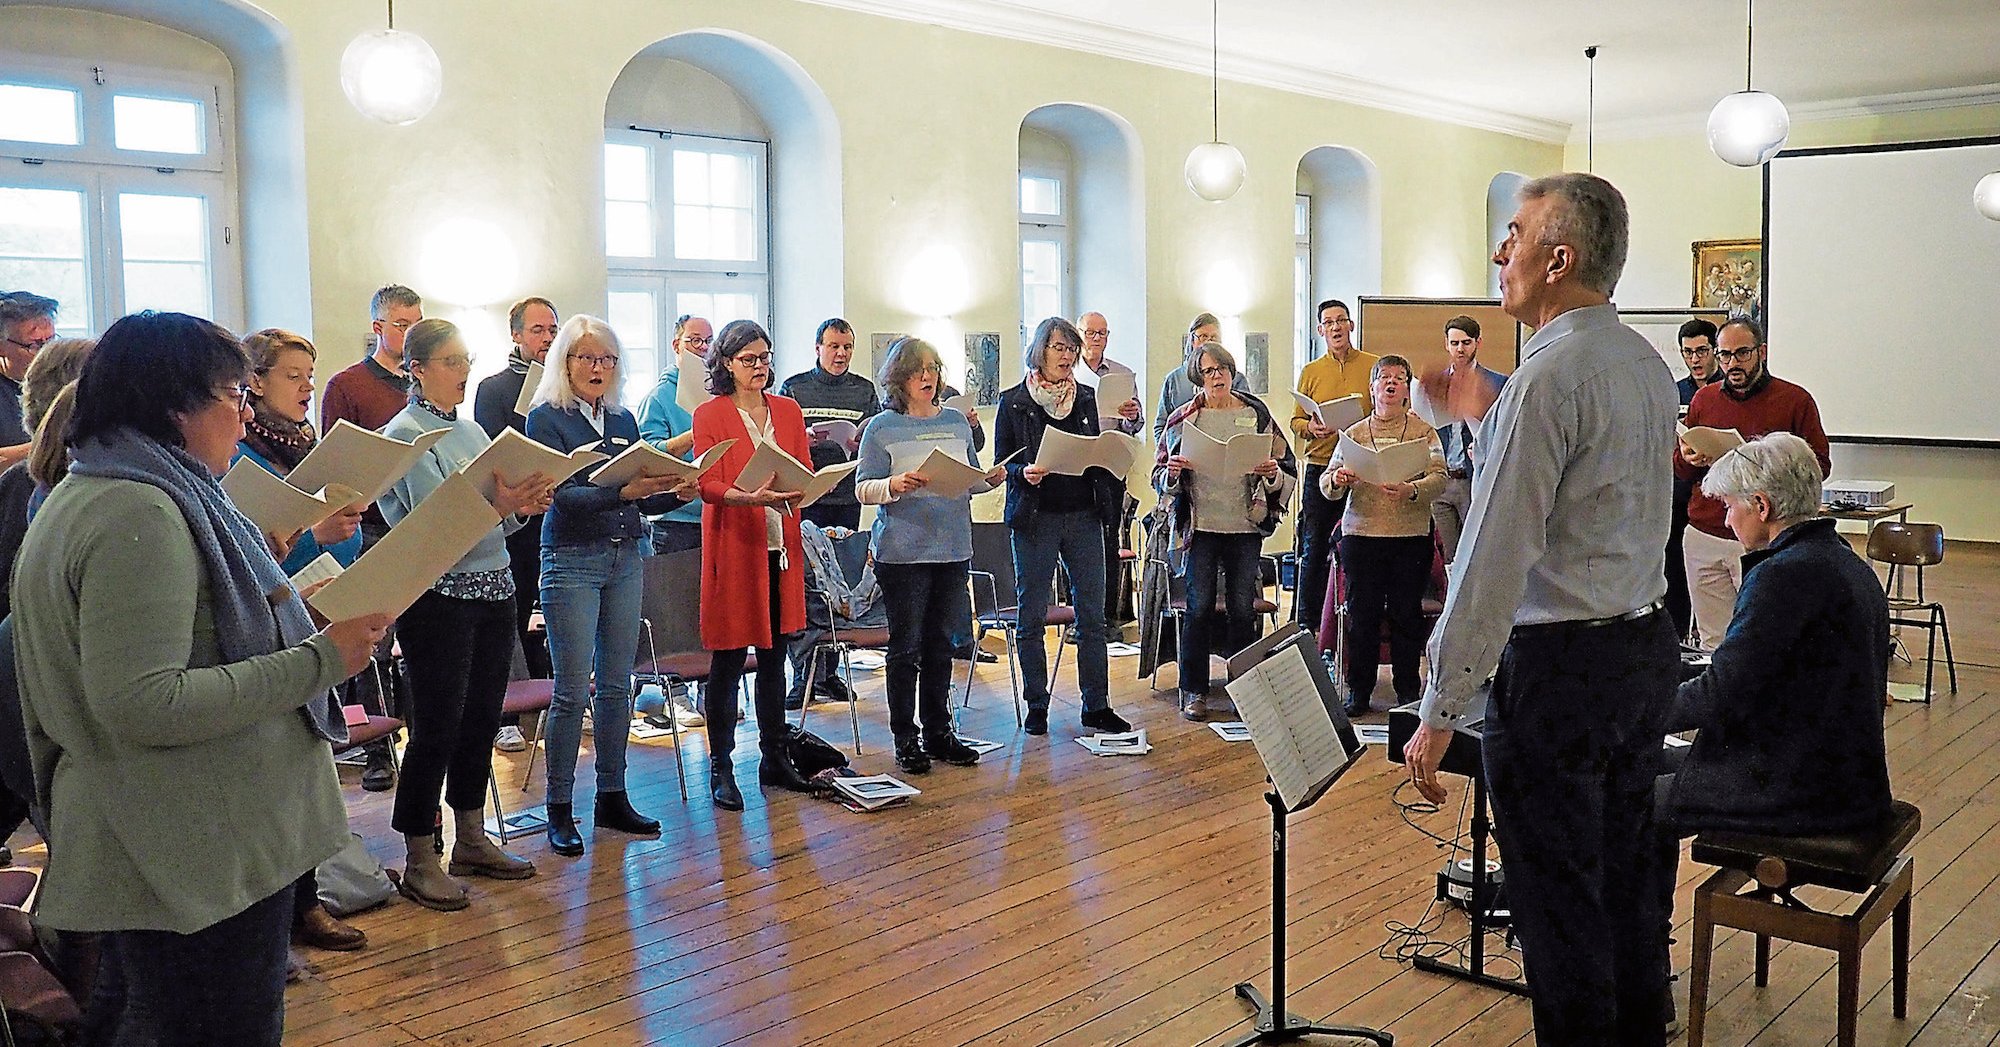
[{"x": 1341, "y": 371}]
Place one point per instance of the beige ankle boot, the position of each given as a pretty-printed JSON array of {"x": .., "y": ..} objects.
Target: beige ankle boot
[
  {"x": 426, "y": 884},
  {"x": 474, "y": 854}
]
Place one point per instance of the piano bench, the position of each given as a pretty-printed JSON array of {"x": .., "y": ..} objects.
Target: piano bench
[{"x": 1870, "y": 861}]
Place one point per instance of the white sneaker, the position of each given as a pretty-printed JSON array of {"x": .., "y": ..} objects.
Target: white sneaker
[
  {"x": 509, "y": 740},
  {"x": 687, "y": 716}
]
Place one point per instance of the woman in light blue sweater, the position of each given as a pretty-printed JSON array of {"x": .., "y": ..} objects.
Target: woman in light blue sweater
[
  {"x": 458, "y": 638},
  {"x": 923, "y": 547}
]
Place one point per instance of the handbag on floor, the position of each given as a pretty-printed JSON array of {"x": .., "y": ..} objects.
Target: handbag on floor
[
  {"x": 352, "y": 880},
  {"x": 812, "y": 754}
]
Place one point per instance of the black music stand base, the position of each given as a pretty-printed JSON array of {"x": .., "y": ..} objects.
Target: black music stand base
[
  {"x": 1475, "y": 910},
  {"x": 1273, "y": 1024}
]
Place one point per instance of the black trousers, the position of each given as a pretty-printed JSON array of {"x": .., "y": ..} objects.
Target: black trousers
[
  {"x": 725, "y": 672},
  {"x": 1385, "y": 579},
  {"x": 221, "y": 985},
  {"x": 926, "y": 602},
  {"x": 1680, "y": 610},
  {"x": 1317, "y": 517},
  {"x": 459, "y": 653},
  {"x": 1225, "y": 563},
  {"x": 1572, "y": 748}
]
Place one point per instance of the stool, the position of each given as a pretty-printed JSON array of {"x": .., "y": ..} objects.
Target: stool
[{"x": 1870, "y": 860}]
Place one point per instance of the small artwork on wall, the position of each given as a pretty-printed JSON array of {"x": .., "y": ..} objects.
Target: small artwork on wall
[
  {"x": 880, "y": 342},
  {"x": 982, "y": 367},
  {"x": 1729, "y": 275},
  {"x": 1257, "y": 361}
]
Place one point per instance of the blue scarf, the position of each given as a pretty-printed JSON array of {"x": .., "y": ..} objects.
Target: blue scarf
[{"x": 256, "y": 611}]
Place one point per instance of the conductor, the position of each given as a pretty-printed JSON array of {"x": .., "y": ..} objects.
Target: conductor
[{"x": 1559, "y": 583}]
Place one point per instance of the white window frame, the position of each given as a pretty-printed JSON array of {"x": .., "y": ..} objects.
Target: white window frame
[
  {"x": 1303, "y": 320},
  {"x": 664, "y": 275},
  {"x": 102, "y": 171},
  {"x": 1050, "y": 227}
]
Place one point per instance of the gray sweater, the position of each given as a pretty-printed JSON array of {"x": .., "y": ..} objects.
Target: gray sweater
[{"x": 445, "y": 458}]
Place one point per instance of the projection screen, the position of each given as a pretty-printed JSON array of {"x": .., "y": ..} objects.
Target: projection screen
[{"x": 1882, "y": 289}]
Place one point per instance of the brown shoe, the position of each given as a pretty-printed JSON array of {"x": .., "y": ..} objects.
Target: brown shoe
[
  {"x": 319, "y": 929},
  {"x": 1194, "y": 707}
]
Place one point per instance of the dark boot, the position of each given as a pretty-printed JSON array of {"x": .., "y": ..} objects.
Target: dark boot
[
  {"x": 379, "y": 774},
  {"x": 722, "y": 787},
  {"x": 563, "y": 837},
  {"x": 614, "y": 811},
  {"x": 777, "y": 769}
]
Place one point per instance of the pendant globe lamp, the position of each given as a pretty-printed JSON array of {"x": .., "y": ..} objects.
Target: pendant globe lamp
[
  {"x": 1748, "y": 128},
  {"x": 1215, "y": 169},
  {"x": 390, "y": 75},
  {"x": 1986, "y": 196}
]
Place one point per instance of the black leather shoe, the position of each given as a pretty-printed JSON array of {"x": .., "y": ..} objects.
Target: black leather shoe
[
  {"x": 834, "y": 689},
  {"x": 946, "y": 748},
  {"x": 1357, "y": 707},
  {"x": 910, "y": 756},
  {"x": 563, "y": 837},
  {"x": 379, "y": 775},
  {"x": 1037, "y": 722},
  {"x": 776, "y": 769},
  {"x": 795, "y": 702},
  {"x": 614, "y": 811},
  {"x": 722, "y": 789},
  {"x": 1105, "y": 720}
]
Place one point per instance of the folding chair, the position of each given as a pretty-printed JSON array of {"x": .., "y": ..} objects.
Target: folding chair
[
  {"x": 524, "y": 698},
  {"x": 993, "y": 564},
  {"x": 852, "y": 552},
  {"x": 1333, "y": 616},
  {"x": 670, "y": 614}
]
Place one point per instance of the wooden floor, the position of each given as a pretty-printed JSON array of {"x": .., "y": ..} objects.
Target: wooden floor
[{"x": 1052, "y": 897}]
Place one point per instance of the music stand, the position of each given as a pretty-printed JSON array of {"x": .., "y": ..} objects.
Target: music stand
[{"x": 1286, "y": 698}]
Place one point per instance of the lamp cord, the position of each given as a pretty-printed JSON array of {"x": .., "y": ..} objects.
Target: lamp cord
[
  {"x": 1215, "y": 71},
  {"x": 392, "y": 14},
  {"x": 1590, "y": 118},
  {"x": 1749, "y": 40}
]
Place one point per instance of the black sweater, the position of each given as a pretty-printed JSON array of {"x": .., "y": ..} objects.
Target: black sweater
[
  {"x": 1018, "y": 425},
  {"x": 1790, "y": 710}
]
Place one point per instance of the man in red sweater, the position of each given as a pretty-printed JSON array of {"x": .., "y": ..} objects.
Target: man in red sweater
[
  {"x": 368, "y": 394},
  {"x": 1753, "y": 403}
]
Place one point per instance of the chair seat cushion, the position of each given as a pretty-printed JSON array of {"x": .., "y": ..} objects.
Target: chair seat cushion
[
  {"x": 688, "y": 665},
  {"x": 1057, "y": 614},
  {"x": 860, "y": 637},
  {"x": 376, "y": 729},
  {"x": 1847, "y": 861}
]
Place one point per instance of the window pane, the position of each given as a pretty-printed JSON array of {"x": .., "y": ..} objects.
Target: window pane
[
  {"x": 628, "y": 229},
  {"x": 633, "y": 315},
  {"x": 163, "y": 228},
  {"x": 691, "y": 232},
  {"x": 1301, "y": 216},
  {"x": 1041, "y": 261},
  {"x": 38, "y": 114},
  {"x": 180, "y": 287},
  {"x": 41, "y": 249},
  {"x": 690, "y": 177},
  {"x": 628, "y": 172},
  {"x": 1041, "y": 195},
  {"x": 159, "y": 125},
  {"x": 729, "y": 180},
  {"x": 696, "y": 303},
  {"x": 729, "y": 307}
]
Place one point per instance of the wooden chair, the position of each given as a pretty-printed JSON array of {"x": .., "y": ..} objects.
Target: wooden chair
[
  {"x": 1870, "y": 861},
  {"x": 1917, "y": 545}
]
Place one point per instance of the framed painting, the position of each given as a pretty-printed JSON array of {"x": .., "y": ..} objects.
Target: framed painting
[
  {"x": 1729, "y": 275},
  {"x": 1257, "y": 361},
  {"x": 982, "y": 367}
]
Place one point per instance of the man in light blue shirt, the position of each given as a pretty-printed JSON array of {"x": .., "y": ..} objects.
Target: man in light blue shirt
[
  {"x": 668, "y": 426},
  {"x": 1558, "y": 583}
]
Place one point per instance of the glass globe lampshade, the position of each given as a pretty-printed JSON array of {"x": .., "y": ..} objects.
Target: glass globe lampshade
[
  {"x": 391, "y": 76},
  {"x": 1748, "y": 128},
  {"x": 1214, "y": 171},
  {"x": 1986, "y": 196}
]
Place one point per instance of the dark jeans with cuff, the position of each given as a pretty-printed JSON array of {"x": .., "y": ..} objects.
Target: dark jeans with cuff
[
  {"x": 1228, "y": 563},
  {"x": 926, "y": 602}
]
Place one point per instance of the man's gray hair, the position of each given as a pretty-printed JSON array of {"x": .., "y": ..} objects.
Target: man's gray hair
[
  {"x": 1780, "y": 466},
  {"x": 21, "y": 306},
  {"x": 393, "y": 296},
  {"x": 1589, "y": 217}
]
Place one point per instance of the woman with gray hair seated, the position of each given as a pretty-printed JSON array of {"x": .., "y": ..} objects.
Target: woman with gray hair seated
[{"x": 1790, "y": 708}]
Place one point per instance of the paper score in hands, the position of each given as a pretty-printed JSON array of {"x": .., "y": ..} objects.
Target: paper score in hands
[
  {"x": 412, "y": 556},
  {"x": 1393, "y": 464},
  {"x": 1335, "y": 414},
  {"x": 360, "y": 459},
  {"x": 773, "y": 466},
  {"x": 644, "y": 460},
  {"x": 275, "y": 506},
  {"x": 516, "y": 457},
  {"x": 1240, "y": 455},
  {"x": 528, "y": 386},
  {"x": 1069, "y": 454}
]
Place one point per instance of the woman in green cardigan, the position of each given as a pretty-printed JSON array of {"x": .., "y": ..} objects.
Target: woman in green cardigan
[{"x": 174, "y": 692}]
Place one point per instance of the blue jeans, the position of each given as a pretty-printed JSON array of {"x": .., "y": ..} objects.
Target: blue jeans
[
  {"x": 590, "y": 599},
  {"x": 1077, "y": 541},
  {"x": 223, "y": 984},
  {"x": 1234, "y": 557}
]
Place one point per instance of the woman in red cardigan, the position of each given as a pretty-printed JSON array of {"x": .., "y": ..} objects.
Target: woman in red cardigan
[{"x": 752, "y": 565}]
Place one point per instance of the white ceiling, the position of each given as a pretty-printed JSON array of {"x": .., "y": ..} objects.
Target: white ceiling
[{"x": 1519, "y": 66}]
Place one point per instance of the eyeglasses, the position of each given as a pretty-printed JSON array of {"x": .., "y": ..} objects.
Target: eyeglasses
[
  {"x": 1730, "y": 356},
  {"x": 539, "y": 330},
  {"x": 462, "y": 362},
  {"x": 1065, "y": 347},
  {"x": 697, "y": 341},
  {"x": 1096, "y": 335},
  {"x": 929, "y": 369},
  {"x": 1342, "y": 322},
  {"x": 403, "y": 325},
  {"x": 1213, "y": 370},
  {"x": 595, "y": 362},
  {"x": 34, "y": 346},
  {"x": 239, "y": 395},
  {"x": 751, "y": 359},
  {"x": 1696, "y": 353}
]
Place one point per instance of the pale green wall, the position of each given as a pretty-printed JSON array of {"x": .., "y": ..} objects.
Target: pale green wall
[{"x": 1679, "y": 193}]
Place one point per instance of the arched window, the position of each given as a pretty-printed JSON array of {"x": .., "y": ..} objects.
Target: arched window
[
  {"x": 1339, "y": 207},
  {"x": 119, "y": 173},
  {"x": 1083, "y": 241},
  {"x": 721, "y": 186}
]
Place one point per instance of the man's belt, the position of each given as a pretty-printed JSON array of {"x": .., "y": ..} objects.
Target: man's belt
[
  {"x": 1459, "y": 474},
  {"x": 1590, "y": 623}
]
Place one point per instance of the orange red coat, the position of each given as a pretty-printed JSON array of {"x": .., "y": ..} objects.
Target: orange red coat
[{"x": 735, "y": 563}]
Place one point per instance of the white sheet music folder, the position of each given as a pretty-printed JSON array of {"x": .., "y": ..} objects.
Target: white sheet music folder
[{"x": 1283, "y": 692}]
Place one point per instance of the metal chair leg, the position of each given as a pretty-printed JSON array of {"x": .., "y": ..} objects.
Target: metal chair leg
[
  {"x": 1013, "y": 674},
  {"x": 541, "y": 740},
  {"x": 499, "y": 810},
  {"x": 853, "y": 699}
]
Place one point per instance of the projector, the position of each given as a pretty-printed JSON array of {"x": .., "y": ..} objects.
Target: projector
[
  {"x": 1454, "y": 885},
  {"x": 1865, "y": 494}
]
